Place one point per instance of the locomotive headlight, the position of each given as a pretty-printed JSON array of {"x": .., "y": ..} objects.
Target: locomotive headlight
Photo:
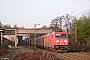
[
  {"x": 57, "y": 40},
  {"x": 65, "y": 41}
]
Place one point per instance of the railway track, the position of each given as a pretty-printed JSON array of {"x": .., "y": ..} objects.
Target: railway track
[
  {"x": 69, "y": 56},
  {"x": 74, "y": 56}
]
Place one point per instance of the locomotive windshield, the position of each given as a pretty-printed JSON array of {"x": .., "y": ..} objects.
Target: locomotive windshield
[{"x": 60, "y": 35}]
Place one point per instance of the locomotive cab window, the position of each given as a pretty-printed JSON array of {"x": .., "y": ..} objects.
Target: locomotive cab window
[{"x": 60, "y": 35}]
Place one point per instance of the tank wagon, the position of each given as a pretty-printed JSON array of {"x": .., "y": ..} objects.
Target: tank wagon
[{"x": 57, "y": 41}]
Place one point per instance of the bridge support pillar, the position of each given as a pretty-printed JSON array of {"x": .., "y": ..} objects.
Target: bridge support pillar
[{"x": 16, "y": 39}]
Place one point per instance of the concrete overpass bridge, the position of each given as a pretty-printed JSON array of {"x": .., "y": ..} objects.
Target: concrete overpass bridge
[{"x": 11, "y": 34}]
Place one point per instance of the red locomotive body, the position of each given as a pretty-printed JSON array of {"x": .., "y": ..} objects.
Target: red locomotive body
[{"x": 55, "y": 40}]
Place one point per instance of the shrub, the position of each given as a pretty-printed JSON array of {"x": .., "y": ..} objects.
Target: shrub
[
  {"x": 6, "y": 43},
  {"x": 3, "y": 51},
  {"x": 34, "y": 55}
]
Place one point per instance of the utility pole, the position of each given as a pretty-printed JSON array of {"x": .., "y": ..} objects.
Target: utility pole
[
  {"x": 75, "y": 33},
  {"x": 76, "y": 36},
  {"x": 1, "y": 38},
  {"x": 29, "y": 39},
  {"x": 1, "y": 31}
]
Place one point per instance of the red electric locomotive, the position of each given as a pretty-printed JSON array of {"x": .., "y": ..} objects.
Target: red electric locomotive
[{"x": 54, "y": 41}]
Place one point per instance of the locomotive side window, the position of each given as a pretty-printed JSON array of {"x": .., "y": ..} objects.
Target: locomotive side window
[{"x": 60, "y": 35}]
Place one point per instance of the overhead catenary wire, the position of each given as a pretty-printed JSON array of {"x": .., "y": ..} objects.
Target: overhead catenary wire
[
  {"x": 69, "y": 6},
  {"x": 79, "y": 6},
  {"x": 76, "y": 8},
  {"x": 82, "y": 12}
]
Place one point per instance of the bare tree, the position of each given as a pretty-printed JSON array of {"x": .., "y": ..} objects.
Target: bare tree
[
  {"x": 44, "y": 27},
  {"x": 15, "y": 26},
  {"x": 61, "y": 22},
  {"x": 56, "y": 24},
  {"x": 7, "y": 26},
  {"x": 0, "y": 24},
  {"x": 22, "y": 27},
  {"x": 67, "y": 21}
]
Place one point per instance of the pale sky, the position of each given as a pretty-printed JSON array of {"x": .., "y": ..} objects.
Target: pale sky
[{"x": 28, "y": 12}]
